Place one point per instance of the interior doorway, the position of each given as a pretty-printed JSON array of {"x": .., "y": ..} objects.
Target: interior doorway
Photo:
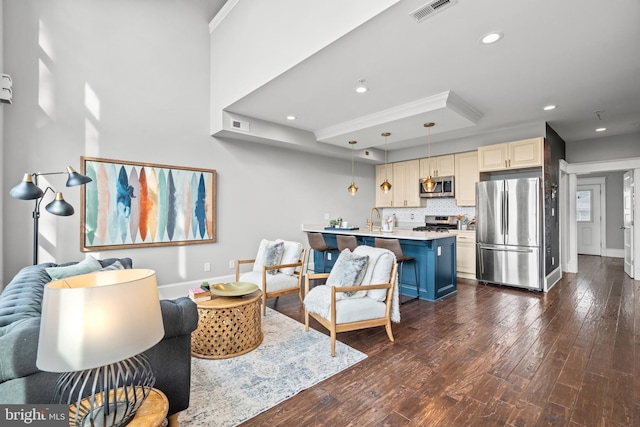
[
  {"x": 569, "y": 181},
  {"x": 590, "y": 199}
]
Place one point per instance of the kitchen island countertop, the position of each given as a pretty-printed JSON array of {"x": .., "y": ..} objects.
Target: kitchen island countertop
[
  {"x": 364, "y": 232},
  {"x": 434, "y": 254}
]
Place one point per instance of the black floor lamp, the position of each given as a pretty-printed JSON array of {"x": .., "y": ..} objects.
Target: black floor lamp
[{"x": 28, "y": 190}]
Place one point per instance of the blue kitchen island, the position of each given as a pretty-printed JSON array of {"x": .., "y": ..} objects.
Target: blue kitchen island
[{"x": 435, "y": 254}]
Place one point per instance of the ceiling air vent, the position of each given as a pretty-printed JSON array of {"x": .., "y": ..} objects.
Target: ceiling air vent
[
  {"x": 240, "y": 125},
  {"x": 431, "y": 9}
]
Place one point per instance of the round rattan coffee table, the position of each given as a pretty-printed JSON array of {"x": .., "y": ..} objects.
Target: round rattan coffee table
[{"x": 227, "y": 327}]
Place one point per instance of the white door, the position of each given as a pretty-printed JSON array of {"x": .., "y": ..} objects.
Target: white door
[
  {"x": 588, "y": 217},
  {"x": 627, "y": 212}
]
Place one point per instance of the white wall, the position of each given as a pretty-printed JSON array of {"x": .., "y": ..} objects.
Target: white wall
[
  {"x": 148, "y": 65},
  {"x": 604, "y": 148}
]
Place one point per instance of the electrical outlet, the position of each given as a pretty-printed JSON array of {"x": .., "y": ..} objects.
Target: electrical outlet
[
  {"x": 329, "y": 256},
  {"x": 207, "y": 266},
  {"x": 411, "y": 216},
  {"x": 232, "y": 264},
  {"x": 327, "y": 216}
]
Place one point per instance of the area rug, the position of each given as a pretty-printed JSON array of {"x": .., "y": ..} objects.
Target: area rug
[{"x": 229, "y": 391}]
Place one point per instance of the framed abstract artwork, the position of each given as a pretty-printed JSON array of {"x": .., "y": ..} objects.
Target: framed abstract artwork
[{"x": 128, "y": 205}]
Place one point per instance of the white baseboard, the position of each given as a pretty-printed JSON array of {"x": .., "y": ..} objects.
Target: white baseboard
[
  {"x": 466, "y": 275},
  {"x": 552, "y": 278},
  {"x": 613, "y": 253},
  {"x": 177, "y": 290}
]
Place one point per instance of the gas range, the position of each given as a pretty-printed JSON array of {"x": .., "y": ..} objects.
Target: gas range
[{"x": 438, "y": 223}]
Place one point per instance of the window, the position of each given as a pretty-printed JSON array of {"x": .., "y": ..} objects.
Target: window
[{"x": 584, "y": 205}]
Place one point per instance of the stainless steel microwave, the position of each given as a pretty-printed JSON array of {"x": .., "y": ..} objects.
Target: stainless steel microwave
[{"x": 444, "y": 187}]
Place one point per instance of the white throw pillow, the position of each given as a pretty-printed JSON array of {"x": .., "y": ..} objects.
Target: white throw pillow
[
  {"x": 269, "y": 253},
  {"x": 348, "y": 271},
  {"x": 378, "y": 270},
  {"x": 291, "y": 254}
]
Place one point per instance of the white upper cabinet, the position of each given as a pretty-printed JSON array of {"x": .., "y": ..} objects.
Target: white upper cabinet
[
  {"x": 384, "y": 200},
  {"x": 437, "y": 166},
  {"x": 511, "y": 155},
  {"x": 526, "y": 153},
  {"x": 466, "y": 177},
  {"x": 406, "y": 176}
]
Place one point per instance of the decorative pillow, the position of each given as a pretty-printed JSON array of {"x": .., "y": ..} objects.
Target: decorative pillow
[
  {"x": 291, "y": 254},
  {"x": 115, "y": 266},
  {"x": 269, "y": 253},
  {"x": 348, "y": 271},
  {"x": 87, "y": 265},
  {"x": 378, "y": 270}
]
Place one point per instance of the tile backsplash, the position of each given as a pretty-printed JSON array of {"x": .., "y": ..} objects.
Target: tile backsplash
[{"x": 409, "y": 217}]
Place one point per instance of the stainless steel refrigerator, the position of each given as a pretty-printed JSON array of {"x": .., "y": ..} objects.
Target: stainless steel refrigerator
[{"x": 509, "y": 232}]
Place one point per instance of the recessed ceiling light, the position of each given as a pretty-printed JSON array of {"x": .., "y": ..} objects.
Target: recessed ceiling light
[
  {"x": 601, "y": 129},
  {"x": 491, "y": 37},
  {"x": 361, "y": 88},
  {"x": 549, "y": 108},
  {"x": 291, "y": 117}
]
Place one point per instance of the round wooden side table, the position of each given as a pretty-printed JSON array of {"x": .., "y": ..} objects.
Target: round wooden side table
[
  {"x": 152, "y": 412},
  {"x": 227, "y": 327}
]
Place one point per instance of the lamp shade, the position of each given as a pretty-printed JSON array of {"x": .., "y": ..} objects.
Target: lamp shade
[
  {"x": 76, "y": 178},
  {"x": 26, "y": 190},
  {"x": 59, "y": 206},
  {"x": 98, "y": 319}
]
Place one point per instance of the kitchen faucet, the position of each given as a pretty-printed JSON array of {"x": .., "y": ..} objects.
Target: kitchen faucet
[{"x": 370, "y": 221}]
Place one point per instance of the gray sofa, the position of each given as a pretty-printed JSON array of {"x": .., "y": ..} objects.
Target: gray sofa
[{"x": 20, "y": 308}]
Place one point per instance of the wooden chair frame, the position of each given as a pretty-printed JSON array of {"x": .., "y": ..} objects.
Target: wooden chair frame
[
  {"x": 266, "y": 268},
  {"x": 334, "y": 327}
]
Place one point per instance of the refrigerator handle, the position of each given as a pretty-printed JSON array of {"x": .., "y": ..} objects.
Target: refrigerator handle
[
  {"x": 502, "y": 215},
  {"x": 504, "y": 249},
  {"x": 505, "y": 214}
]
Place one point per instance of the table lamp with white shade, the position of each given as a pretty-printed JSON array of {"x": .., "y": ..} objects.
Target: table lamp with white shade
[{"x": 94, "y": 329}]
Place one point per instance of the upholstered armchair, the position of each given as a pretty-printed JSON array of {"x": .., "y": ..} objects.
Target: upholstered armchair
[
  {"x": 277, "y": 269},
  {"x": 360, "y": 292}
]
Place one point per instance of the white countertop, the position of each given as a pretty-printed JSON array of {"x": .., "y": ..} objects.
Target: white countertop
[{"x": 397, "y": 233}]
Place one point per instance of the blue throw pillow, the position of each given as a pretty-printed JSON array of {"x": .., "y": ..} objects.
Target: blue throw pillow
[
  {"x": 115, "y": 266},
  {"x": 87, "y": 265}
]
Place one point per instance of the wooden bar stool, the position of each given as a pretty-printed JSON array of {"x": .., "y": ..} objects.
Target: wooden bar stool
[
  {"x": 318, "y": 244},
  {"x": 346, "y": 242},
  {"x": 394, "y": 246}
]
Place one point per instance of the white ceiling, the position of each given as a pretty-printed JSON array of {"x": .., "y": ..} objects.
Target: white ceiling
[{"x": 581, "y": 55}]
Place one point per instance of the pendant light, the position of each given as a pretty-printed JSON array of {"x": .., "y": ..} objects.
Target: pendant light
[
  {"x": 386, "y": 185},
  {"x": 353, "y": 188},
  {"x": 429, "y": 184}
]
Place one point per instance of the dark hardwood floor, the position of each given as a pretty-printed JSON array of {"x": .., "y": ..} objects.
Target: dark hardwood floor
[{"x": 489, "y": 356}]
